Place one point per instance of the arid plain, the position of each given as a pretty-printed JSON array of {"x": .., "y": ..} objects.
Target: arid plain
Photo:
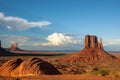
[
  {"x": 90, "y": 63},
  {"x": 84, "y": 76}
]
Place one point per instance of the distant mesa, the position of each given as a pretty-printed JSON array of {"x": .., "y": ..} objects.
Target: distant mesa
[
  {"x": 4, "y": 51},
  {"x": 14, "y": 47},
  {"x": 92, "y": 52},
  {"x": 30, "y": 67},
  {"x": 7, "y": 52}
]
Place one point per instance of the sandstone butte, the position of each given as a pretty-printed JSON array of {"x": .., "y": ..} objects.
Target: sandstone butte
[
  {"x": 92, "y": 52},
  {"x": 30, "y": 67},
  {"x": 14, "y": 47},
  {"x": 6, "y": 52}
]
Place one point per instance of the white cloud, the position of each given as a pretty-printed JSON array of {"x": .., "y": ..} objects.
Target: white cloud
[
  {"x": 19, "y": 39},
  {"x": 37, "y": 44},
  {"x": 16, "y": 23},
  {"x": 9, "y": 27},
  {"x": 111, "y": 42},
  {"x": 57, "y": 39}
]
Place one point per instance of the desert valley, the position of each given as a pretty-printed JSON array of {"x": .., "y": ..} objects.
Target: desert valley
[
  {"x": 90, "y": 63},
  {"x": 59, "y": 39}
]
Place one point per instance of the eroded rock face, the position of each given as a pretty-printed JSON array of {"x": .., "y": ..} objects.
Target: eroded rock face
[
  {"x": 29, "y": 67},
  {"x": 92, "y": 42},
  {"x": 87, "y": 41},
  {"x": 36, "y": 67},
  {"x": 14, "y": 47},
  {"x": 100, "y": 44},
  {"x": 9, "y": 67},
  {"x": 92, "y": 52}
]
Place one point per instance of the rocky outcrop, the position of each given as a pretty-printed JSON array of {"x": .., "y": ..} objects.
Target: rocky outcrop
[
  {"x": 9, "y": 67},
  {"x": 92, "y": 52},
  {"x": 92, "y": 42},
  {"x": 3, "y": 51},
  {"x": 100, "y": 44},
  {"x": 29, "y": 67},
  {"x": 14, "y": 47},
  {"x": 87, "y": 41},
  {"x": 90, "y": 56}
]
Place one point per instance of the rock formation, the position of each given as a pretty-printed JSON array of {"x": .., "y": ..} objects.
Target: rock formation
[
  {"x": 87, "y": 41},
  {"x": 3, "y": 51},
  {"x": 29, "y": 67},
  {"x": 9, "y": 67},
  {"x": 92, "y": 52},
  {"x": 92, "y": 42},
  {"x": 100, "y": 44},
  {"x": 14, "y": 47}
]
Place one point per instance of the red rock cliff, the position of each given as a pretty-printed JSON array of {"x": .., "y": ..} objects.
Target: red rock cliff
[{"x": 92, "y": 42}]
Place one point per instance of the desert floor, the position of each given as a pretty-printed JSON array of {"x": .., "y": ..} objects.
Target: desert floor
[
  {"x": 65, "y": 77},
  {"x": 58, "y": 77}
]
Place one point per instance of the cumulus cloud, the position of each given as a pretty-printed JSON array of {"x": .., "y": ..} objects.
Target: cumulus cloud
[
  {"x": 57, "y": 39},
  {"x": 17, "y": 23}
]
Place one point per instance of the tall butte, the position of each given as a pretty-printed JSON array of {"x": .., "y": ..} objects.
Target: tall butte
[
  {"x": 92, "y": 52},
  {"x": 92, "y": 42}
]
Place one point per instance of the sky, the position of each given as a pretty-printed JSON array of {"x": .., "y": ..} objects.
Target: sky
[{"x": 59, "y": 24}]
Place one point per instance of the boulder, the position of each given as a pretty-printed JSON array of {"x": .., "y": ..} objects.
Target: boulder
[
  {"x": 29, "y": 67},
  {"x": 7, "y": 68},
  {"x": 36, "y": 67}
]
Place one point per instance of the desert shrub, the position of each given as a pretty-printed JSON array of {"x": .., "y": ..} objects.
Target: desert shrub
[
  {"x": 95, "y": 69},
  {"x": 117, "y": 74},
  {"x": 101, "y": 72},
  {"x": 17, "y": 79}
]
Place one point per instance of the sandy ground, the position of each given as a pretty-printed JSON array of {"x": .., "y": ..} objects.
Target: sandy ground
[
  {"x": 62, "y": 77},
  {"x": 65, "y": 77}
]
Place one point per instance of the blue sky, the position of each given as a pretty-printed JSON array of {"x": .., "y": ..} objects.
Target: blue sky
[{"x": 59, "y": 24}]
